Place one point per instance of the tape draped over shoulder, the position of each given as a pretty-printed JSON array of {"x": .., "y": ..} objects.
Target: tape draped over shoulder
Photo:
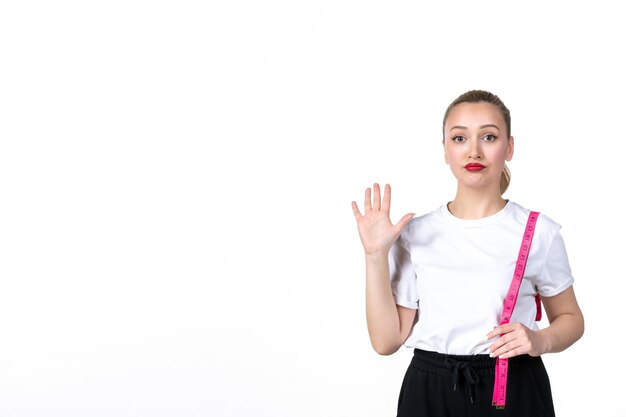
[{"x": 502, "y": 364}]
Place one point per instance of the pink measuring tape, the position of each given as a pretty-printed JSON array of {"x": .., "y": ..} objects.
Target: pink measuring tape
[{"x": 502, "y": 365}]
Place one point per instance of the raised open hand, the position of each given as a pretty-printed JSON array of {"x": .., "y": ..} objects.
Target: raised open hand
[{"x": 375, "y": 228}]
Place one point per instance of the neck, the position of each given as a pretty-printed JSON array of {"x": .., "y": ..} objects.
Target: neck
[{"x": 473, "y": 204}]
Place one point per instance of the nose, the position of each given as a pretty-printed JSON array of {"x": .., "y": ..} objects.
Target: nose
[{"x": 475, "y": 150}]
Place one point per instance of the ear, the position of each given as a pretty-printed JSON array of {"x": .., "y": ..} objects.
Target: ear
[{"x": 509, "y": 153}]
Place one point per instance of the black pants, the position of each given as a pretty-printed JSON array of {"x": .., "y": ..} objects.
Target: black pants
[{"x": 438, "y": 385}]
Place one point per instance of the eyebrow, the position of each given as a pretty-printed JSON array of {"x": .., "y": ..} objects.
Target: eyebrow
[{"x": 482, "y": 127}]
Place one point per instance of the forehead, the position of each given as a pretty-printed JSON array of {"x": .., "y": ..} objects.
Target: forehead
[{"x": 474, "y": 114}]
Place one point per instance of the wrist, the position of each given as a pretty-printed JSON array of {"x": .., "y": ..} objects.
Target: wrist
[
  {"x": 546, "y": 340},
  {"x": 377, "y": 257}
]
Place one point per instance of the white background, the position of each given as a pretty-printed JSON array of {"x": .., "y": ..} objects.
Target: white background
[{"x": 176, "y": 237}]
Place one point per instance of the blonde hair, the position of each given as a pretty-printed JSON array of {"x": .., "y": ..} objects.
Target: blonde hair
[{"x": 480, "y": 96}]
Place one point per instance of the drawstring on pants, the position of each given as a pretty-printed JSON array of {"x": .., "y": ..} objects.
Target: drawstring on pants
[{"x": 463, "y": 368}]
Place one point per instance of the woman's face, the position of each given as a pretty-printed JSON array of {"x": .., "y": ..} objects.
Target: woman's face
[{"x": 476, "y": 145}]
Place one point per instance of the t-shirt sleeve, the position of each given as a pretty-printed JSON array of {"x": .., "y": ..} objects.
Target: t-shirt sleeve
[
  {"x": 402, "y": 274},
  {"x": 556, "y": 275}
]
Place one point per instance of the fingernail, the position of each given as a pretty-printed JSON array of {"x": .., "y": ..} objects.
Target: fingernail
[{"x": 491, "y": 355}]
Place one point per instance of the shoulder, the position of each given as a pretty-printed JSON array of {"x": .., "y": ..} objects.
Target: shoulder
[
  {"x": 546, "y": 228},
  {"x": 427, "y": 219},
  {"x": 421, "y": 225}
]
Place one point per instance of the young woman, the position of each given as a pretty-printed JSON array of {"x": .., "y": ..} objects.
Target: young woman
[{"x": 438, "y": 283}]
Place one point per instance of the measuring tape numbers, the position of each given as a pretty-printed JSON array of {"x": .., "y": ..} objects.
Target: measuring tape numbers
[{"x": 502, "y": 364}]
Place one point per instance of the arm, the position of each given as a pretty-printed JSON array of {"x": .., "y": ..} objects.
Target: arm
[
  {"x": 388, "y": 325},
  {"x": 566, "y": 327},
  {"x": 566, "y": 321}
]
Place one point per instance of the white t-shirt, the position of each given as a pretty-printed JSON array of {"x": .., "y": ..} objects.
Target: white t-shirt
[{"x": 457, "y": 272}]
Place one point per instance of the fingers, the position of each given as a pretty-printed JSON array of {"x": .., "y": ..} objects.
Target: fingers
[
  {"x": 506, "y": 346},
  {"x": 404, "y": 220},
  {"x": 356, "y": 211},
  {"x": 508, "y": 351},
  {"x": 367, "y": 204},
  {"x": 515, "y": 339},
  {"x": 497, "y": 330},
  {"x": 376, "y": 202},
  {"x": 372, "y": 203},
  {"x": 387, "y": 198},
  {"x": 503, "y": 329}
]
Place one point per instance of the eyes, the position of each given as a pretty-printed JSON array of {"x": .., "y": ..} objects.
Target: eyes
[{"x": 486, "y": 138}]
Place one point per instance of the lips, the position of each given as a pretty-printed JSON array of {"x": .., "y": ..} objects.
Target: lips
[{"x": 474, "y": 167}]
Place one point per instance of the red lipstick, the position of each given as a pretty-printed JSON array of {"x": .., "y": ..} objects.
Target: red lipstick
[{"x": 474, "y": 167}]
